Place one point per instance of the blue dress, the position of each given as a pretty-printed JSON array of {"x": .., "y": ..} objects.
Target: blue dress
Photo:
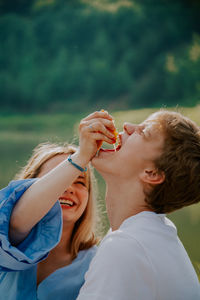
[{"x": 18, "y": 265}]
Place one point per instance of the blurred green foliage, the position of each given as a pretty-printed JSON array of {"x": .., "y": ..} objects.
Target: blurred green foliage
[
  {"x": 19, "y": 134},
  {"x": 74, "y": 55}
]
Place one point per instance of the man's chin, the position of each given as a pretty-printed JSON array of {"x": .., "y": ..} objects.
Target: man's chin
[
  {"x": 94, "y": 161},
  {"x": 98, "y": 163}
]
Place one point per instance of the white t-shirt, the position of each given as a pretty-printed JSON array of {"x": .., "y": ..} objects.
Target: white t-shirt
[{"x": 142, "y": 260}]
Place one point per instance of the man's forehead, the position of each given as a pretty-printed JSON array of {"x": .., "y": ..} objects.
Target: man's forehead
[
  {"x": 154, "y": 121},
  {"x": 152, "y": 117},
  {"x": 150, "y": 123}
]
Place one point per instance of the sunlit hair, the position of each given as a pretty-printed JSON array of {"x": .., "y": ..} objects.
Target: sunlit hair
[
  {"x": 179, "y": 161},
  {"x": 83, "y": 236}
]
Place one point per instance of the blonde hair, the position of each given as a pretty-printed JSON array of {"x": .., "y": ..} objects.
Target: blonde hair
[{"x": 83, "y": 236}]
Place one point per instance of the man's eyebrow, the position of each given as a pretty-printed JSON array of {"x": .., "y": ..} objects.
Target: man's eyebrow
[{"x": 147, "y": 131}]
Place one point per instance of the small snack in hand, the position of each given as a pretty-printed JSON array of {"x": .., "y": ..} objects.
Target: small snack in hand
[{"x": 116, "y": 140}]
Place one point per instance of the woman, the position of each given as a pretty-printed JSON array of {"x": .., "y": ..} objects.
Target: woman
[{"x": 31, "y": 223}]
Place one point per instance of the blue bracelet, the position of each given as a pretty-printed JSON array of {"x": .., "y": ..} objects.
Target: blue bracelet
[{"x": 75, "y": 165}]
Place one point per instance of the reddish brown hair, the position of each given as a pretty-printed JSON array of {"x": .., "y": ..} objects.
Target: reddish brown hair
[{"x": 180, "y": 162}]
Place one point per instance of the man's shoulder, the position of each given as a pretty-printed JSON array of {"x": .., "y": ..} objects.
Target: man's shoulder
[
  {"x": 119, "y": 242},
  {"x": 142, "y": 231},
  {"x": 147, "y": 223}
]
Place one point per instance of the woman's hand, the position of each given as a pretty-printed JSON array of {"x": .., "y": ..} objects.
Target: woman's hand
[{"x": 95, "y": 129}]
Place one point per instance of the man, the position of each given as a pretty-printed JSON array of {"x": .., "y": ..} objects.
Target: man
[{"x": 155, "y": 171}]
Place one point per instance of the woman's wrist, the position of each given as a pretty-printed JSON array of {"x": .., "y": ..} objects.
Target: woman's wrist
[
  {"x": 69, "y": 159},
  {"x": 80, "y": 159}
]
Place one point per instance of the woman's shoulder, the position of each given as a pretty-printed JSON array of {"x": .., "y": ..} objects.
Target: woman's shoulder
[{"x": 86, "y": 254}]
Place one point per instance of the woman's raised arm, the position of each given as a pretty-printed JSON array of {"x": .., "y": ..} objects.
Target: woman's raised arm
[{"x": 42, "y": 195}]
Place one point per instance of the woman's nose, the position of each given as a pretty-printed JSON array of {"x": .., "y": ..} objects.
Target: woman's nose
[{"x": 70, "y": 190}]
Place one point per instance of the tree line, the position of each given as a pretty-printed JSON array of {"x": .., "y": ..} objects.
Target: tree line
[{"x": 75, "y": 55}]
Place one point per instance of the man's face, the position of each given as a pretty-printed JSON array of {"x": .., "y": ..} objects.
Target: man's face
[{"x": 140, "y": 146}]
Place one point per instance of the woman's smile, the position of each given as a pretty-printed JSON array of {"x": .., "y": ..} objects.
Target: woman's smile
[{"x": 66, "y": 202}]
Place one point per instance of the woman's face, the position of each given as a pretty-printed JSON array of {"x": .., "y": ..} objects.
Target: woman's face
[
  {"x": 140, "y": 146},
  {"x": 75, "y": 198}
]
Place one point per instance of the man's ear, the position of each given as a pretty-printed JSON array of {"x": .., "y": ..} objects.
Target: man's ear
[{"x": 152, "y": 176}]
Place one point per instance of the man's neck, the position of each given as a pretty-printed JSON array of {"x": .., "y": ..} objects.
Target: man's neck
[{"x": 123, "y": 200}]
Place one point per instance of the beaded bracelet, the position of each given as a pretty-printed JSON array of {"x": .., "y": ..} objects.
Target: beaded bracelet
[{"x": 75, "y": 165}]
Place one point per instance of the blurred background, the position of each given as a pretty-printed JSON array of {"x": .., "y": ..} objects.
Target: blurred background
[{"x": 63, "y": 59}]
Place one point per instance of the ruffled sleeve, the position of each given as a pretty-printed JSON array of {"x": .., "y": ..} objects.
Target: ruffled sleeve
[{"x": 43, "y": 237}]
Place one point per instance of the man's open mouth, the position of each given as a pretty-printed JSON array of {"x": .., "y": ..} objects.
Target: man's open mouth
[
  {"x": 115, "y": 149},
  {"x": 116, "y": 146}
]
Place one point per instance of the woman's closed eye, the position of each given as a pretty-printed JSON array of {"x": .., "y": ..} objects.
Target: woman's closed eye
[{"x": 81, "y": 182}]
